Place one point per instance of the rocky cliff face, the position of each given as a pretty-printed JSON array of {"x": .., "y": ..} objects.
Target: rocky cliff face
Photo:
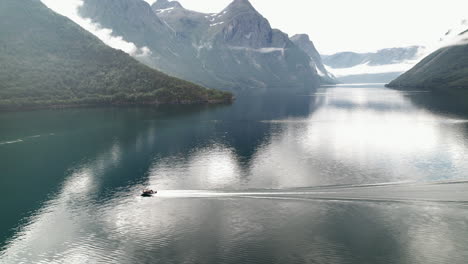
[
  {"x": 233, "y": 49},
  {"x": 303, "y": 41},
  {"x": 241, "y": 25}
]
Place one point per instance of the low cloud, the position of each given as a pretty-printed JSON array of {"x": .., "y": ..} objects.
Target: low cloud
[
  {"x": 458, "y": 35},
  {"x": 69, "y": 8}
]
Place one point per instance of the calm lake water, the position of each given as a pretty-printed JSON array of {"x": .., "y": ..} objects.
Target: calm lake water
[{"x": 347, "y": 174}]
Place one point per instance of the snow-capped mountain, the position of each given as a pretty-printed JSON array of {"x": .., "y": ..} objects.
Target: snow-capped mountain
[
  {"x": 233, "y": 49},
  {"x": 239, "y": 45},
  {"x": 381, "y": 66}
]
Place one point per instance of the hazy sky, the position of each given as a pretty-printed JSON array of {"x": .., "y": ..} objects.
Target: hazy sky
[{"x": 356, "y": 25}]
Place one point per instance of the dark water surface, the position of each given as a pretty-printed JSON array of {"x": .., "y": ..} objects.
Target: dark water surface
[{"x": 348, "y": 174}]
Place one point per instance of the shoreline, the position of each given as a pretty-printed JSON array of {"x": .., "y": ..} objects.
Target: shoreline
[{"x": 116, "y": 104}]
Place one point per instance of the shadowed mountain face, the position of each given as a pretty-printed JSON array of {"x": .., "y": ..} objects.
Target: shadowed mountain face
[
  {"x": 233, "y": 49},
  {"x": 47, "y": 60},
  {"x": 303, "y": 41}
]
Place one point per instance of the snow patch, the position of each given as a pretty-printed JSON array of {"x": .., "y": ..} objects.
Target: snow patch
[
  {"x": 221, "y": 14},
  {"x": 160, "y": 11},
  {"x": 214, "y": 17},
  {"x": 320, "y": 72},
  {"x": 216, "y": 24},
  {"x": 260, "y": 50},
  {"x": 270, "y": 50}
]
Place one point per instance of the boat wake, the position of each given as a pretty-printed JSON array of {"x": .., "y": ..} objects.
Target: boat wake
[
  {"x": 23, "y": 139},
  {"x": 11, "y": 142},
  {"x": 394, "y": 192}
]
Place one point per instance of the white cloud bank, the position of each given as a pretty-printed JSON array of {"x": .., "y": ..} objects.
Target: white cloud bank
[
  {"x": 69, "y": 8},
  {"x": 369, "y": 69},
  {"x": 455, "y": 36}
]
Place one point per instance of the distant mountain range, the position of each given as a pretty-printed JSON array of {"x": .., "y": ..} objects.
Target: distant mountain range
[
  {"x": 49, "y": 61},
  {"x": 233, "y": 49},
  {"x": 381, "y": 66},
  {"x": 446, "y": 69}
]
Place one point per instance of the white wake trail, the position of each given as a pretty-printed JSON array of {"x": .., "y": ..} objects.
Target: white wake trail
[{"x": 400, "y": 192}]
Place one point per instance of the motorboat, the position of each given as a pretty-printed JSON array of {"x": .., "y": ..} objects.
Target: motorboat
[{"x": 148, "y": 193}]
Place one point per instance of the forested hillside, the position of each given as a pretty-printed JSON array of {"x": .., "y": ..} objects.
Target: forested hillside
[{"x": 47, "y": 60}]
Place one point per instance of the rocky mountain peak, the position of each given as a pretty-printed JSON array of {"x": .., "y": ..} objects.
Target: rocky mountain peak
[
  {"x": 241, "y": 5},
  {"x": 304, "y": 42},
  {"x": 241, "y": 25},
  {"x": 235, "y": 48},
  {"x": 301, "y": 37},
  {"x": 165, "y": 4}
]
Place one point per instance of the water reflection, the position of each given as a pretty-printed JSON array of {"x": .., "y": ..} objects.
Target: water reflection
[
  {"x": 208, "y": 168},
  {"x": 209, "y": 164},
  {"x": 353, "y": 138},
  {"x": 130, "y": 229}
]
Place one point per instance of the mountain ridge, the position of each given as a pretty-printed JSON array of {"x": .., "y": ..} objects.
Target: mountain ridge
[{"x": 235, "y": 49}]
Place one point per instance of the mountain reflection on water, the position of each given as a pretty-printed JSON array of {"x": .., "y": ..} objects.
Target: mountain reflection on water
[{"x": 240, "y": 184}]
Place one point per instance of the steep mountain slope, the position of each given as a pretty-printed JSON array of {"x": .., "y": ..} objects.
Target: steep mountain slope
[
  {"x": 445, "y": 70},
  {"x": 234, "y": 49},
  {"x": 47, "y": 60},
  {"x": 381, "y": 66},
  {"x": 303, "y": 41},
  {"x": 135, "y": 21}
]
